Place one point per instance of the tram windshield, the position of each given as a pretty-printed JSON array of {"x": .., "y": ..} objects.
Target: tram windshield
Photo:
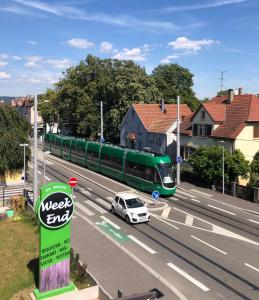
[{"x": 167, "y": 174}]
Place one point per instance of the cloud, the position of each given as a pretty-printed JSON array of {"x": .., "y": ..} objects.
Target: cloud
[
  {"x": 60, "y": 63},
  {"x": 45, "y": 78},
  {"x": 40, "y": 6},
  {"x": 4, "y": 75},
  {"x": 4, "y": 56},
  {"x": 33, "y": 43},
  {"x": 33, "y": 61},
  {"x": 80, "y": 43},
  {"x": 168, "y": 59},
  {"x": 130, "y": 54},
  {"x": 183, "y": 43},
  {"x": 208, "y": 4},
  {"x": 3, "y": 63},
  {"x": 106, "y": 47},
  {"x": 15, "y": 57}
]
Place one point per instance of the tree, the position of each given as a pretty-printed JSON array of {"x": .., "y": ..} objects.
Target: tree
[
  {"x": 13, "y": 131},
  {"x": 207, "y": 162},
  {"x": 172, "y": 80},
  {"x": 254, "y": 175}
]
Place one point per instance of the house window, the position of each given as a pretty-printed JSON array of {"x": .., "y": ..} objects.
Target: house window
[
  {"x": 158, "y": 141},
  {"x": 256, "y": 131},
  {"x": 195, "y": 129},
  {"x": 207, "y": 130},
  {"x": 203, "y": 115},
  {"x": 202, "y": 130}
]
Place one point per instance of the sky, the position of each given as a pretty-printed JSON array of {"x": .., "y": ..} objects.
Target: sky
[{"x": 41, "y": 39}]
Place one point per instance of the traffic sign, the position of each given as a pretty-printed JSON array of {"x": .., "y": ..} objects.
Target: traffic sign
[
  {"x": 72, "y": 181},
  {"x": 179, "y": 159},
  {"x": 155, "y": 195}
]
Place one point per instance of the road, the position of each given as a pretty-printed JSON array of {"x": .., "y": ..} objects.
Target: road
[{"x": 196, "y": 246}]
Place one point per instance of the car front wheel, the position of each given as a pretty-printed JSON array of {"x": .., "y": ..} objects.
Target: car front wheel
[
  {"x": 113, "y": 210},
  {"x": 127, "y": 219}
]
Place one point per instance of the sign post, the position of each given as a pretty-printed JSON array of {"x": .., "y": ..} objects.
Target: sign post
[
  {"x": 54, "y": 209},
  {"x": 155, "y": 195}
]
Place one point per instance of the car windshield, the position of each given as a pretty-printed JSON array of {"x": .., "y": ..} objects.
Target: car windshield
[
  {"x": 166, "y": 173},
  {"x": 134, "y": 203}
]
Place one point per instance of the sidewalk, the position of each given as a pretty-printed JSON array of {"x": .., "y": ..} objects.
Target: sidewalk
[{"x": 231, "y": 200}]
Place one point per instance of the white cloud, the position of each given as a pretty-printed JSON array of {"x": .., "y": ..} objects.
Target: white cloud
[
  {"x": 60, "y": 63},
  {"x": 4, "y": 75},
  {"x": 130, "y": 54},
  {"x": 15, "y": 57},
  {"x": 183, "y": 43},
  {"x": 4, "y": 56},
  {"x": 106, "y": 47},
  {"x": 45, "y": 78},
  {"x": 168, "y": 59},
  {"x": 80, "y": 43},
  {"x": 34, "y": 43},
  {"x": 3, "y": 63},
  {"x": 33, "y": 61}
]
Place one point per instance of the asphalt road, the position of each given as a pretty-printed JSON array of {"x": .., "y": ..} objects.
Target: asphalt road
[{"x": 196, "y": 245}]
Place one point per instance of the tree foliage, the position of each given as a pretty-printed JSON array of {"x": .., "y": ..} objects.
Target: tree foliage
[
  {"x": 13, "y": 131},
  {"x": 172, "y": 80},
  {"x": 254, "y": 175},
  {"x": 207, "y": 161}
]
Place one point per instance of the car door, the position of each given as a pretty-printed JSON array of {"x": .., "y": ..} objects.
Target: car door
[{"x": 121, "y": 208}]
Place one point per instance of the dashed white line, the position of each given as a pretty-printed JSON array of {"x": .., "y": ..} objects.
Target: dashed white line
[
  {"x": 195, "y": 200},
  {"x": 189, "y": 220},
  {"x": 86, "y": 193},
  {"x": 226, "y": 211},
  {"x": 201, "y": 193},
  {"x": 186, "y": 194},
  {"x": 187, "y": 276},
  {"x": 161, "y": 219},
  {"x": 252, "y": 267},
  {"x": 109, "y": 198},
  {"x": 110, "y": 222},
  {"x": 217, "y": 249},
  {"x": 141, "y": 244},
  {"x": 253, "y": 221},
  {"x": 84, "y": 209},
  {"x": 95, "y": 206},
  {"x": 166, "y": 212}
]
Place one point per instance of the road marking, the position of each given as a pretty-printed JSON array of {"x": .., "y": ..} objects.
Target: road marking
[
  {"x": 226, "y": 211},
  {"x": 195, "y": 200},
  {"x": 159, "y": 218},
  {"x": 141, "y": 244},
  {"x": 110, "y": 222},
  {"x": 74, "y": 196},
  {"x": 86, "y": 192},
  {"x": 89, "y": 189},
  {"x": 184, "y": 193},
  {"x": 95, "y": 206},
  {"x": 217, "y": 249},
  {"x": 84, "y": 209},
  {"x": 253, "y": 221},
  {"x": 39, "y": 172},
  {"x": 187, "y": 276},
  {"x": 109, "y": 198},
  {"x": 252, "y": 267},
  {"x": 201, "y": 193},
  {"x": 103, "y": 202},
  {"x": 189, "y": 220},
  {"x": 47, "y": 178},
  {"x": 166, "y": 212}
]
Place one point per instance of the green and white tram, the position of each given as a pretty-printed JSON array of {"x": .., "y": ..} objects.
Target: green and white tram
[{"x": 142, "y": 170}]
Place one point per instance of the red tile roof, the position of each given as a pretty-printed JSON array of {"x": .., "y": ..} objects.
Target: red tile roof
[
  {"x": 217, "y": 111},
  {"x": 154, "y": 120},
  {"x": 186, "y": 126}
]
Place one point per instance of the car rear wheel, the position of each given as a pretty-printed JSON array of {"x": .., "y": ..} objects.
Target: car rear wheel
[
  {"x": 127, "y": 219},
  {"x": 113, "y": 210}
]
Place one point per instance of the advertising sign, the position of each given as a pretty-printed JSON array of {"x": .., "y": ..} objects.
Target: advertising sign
[{"x": 54, "y": 209}]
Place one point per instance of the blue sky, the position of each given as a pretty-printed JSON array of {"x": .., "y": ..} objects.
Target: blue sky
[{"x": 40, "y": 39}]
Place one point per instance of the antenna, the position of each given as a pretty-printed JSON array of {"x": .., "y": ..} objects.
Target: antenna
[{"x": 221, "y": 81}]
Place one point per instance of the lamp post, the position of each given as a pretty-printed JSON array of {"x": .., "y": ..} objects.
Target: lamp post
[
  {"x": 223, "y": 167},
  {"x": 178, "y": 142},
  {"x": 35, "y": 152},
  {"x": 45, "y": 153},
  {"x": 24, "y": 164}
]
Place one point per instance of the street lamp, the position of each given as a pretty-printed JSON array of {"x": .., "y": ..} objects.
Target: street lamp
[
  {"x": 223, "y": 167},
  {"x": 45, "y": 153},
  {"x": 24, "y": 163}
]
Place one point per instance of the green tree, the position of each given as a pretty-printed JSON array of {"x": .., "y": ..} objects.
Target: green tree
[
  {"x": 13, "y": 131},
  {"x": 207, "y": 162},
  {"x": 254, "y": 175},
  {"x": 172, "y": 80}
]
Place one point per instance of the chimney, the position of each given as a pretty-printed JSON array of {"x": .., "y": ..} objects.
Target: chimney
[
  {"x": 162, "y": 105},
  {"x": 240, "y": 91},
  {"x": 230, "y": 95}
]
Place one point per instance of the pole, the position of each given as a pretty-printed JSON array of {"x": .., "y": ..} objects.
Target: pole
[
  {"x": 44, "y": 168},
  {"x": 178, "y": 142},
  {"x": 24, "y": 169},
  {"x": 35, "y": 152},
  {"x": 223, "y": 171},
  {"x": 101, "y": 121}
]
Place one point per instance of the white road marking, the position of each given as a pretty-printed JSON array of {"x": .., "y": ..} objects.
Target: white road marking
[
  {"x": 110, "y": 222},
  {"x": 89, "y": 189},
  {"x": 226, "y": 211},
  {"x": 84, "y": 209},
  {"x": 201, "y": 193},
  {"x": 253, "y": 221},
  {"x": 95, "y": 206},
  {"x": 86, "y": 193},
  {"x": 195, "y": 200},
  {"x": 189, "y": 220},
  {"x": 166, "y": 212},
  {"x": 159, "y": 218},
  {"x": 217, "y": 249},
  {"x": 74, "y": 196},
  {"x": 252, "y": 267},
  {"x": 47, "y": 178},
  {"x": 109, "y": 198},
  {"x": 141, "y": 244},
  {"x": 39, "y": 172},
  {"x": 138, "y": 260},
  {"x": 185, "y": 193},
  {"x": 187, "y": 276}
]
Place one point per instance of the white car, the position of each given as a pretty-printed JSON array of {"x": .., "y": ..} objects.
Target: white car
[{"x": 130, "y": 208}]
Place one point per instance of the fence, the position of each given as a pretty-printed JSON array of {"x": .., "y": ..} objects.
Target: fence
[{"x": 6, "y": 192}]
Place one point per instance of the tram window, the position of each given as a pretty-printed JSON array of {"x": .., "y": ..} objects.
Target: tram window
[
  {"x": 92, "y": 155},
  {"x": 149, "y": 173},
  {"x": 135, "y": 169}
]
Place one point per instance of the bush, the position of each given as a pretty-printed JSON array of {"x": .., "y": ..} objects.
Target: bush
[{"x": 18, "y": 203}]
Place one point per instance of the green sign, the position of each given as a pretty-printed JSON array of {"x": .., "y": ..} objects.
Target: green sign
[{"x": 54, "y": 209}]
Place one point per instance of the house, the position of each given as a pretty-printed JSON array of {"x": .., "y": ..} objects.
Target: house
[
  {"x": 150, "y": 127},
  {"x": 231, "y": 121}
]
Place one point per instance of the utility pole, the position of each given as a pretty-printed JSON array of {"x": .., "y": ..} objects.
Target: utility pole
[
  {"x": 222, "y": 81},
  {"x": 24, "y": 165},
  {"x": 35, "y": 152},
  {"x": 101, "y": 122},
  {"x": 178, "y": 142}
]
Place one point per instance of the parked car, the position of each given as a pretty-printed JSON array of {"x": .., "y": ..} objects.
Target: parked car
[{"x": 130, "y": 208}]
